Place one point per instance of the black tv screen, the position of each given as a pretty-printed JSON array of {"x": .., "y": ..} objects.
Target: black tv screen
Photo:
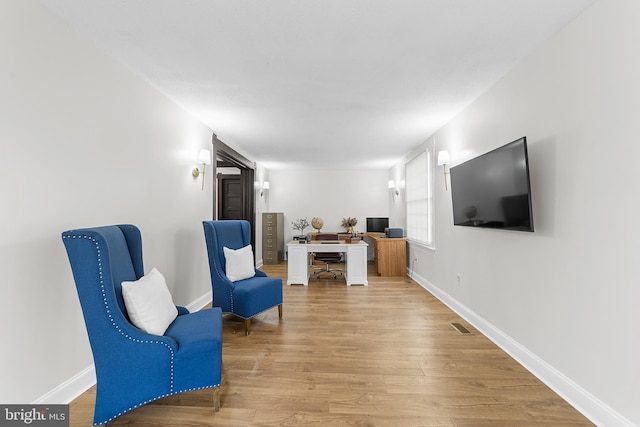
[
  {"x": 377, "y": 225},
  {"x": 493, "y": 190}
]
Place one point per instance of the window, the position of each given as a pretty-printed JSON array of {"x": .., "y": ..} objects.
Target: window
[{"x": 419, "y": 192}]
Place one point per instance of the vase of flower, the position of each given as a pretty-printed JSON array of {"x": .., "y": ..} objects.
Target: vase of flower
[{"x": 348, "y": 223}]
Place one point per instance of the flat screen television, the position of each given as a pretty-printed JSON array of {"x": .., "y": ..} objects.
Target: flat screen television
[
  {"x": 493, "y": 190},
  {"x": 377, "y": 225}
]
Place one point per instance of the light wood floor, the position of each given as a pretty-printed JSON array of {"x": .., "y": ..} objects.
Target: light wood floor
[{"x": 382, "y": 355}]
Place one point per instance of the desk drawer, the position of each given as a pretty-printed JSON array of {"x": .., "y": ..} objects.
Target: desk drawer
[{"x": 271, "y": 257}]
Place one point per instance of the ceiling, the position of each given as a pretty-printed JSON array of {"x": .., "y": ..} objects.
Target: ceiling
[{"x": 324, "y": 83}]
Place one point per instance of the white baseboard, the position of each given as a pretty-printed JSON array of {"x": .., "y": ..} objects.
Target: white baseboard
[
  {"x": 587, "y": 404},
  {"x": 200, "y": 302},
  {"x": 69, "y": 390}
]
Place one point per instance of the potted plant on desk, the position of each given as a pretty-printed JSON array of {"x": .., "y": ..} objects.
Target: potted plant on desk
[{"x": 300, "y": 224}]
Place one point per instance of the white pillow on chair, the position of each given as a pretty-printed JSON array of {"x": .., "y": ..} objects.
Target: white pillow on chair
[
  {"x": 149, "y": 303},
  {"x": 239, "y": 263}
]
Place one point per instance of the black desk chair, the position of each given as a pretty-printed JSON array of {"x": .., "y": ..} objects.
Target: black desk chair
[{"x": 327, "y": 257}]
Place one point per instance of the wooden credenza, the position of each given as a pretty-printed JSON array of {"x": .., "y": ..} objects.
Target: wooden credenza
[
  {"x": 272, "y": 237},
  {"x": 390, "y": 256}
]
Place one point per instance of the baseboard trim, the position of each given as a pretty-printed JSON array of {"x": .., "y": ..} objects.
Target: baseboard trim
[
  {"x": 591, "y": 407},
  {"x": 200, "y": 302},
  {"x": 69, "y": 390}
]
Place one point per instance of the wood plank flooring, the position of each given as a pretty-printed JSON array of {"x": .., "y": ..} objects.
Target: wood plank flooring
[{"x": 382, "y": 355}]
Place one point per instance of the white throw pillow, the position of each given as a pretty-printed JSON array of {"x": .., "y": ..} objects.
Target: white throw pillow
[
  {"x": 239, "y": 263},
  {"x": 149, "y": 303}
]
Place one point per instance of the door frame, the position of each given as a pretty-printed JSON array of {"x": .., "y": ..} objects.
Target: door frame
[{"x": 223, "y": 153}]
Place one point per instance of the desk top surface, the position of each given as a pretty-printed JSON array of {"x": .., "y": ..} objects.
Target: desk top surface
[
  {"x": 333, "y": 243},
  {"x": 374, "y": 236}
]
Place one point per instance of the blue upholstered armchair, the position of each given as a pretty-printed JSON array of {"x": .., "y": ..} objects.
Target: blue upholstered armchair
[
  {"x": 244, "y": 298},
  {"x": 134, "y": 367}
]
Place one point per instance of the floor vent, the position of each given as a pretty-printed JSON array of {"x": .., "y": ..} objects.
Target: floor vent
[{"x": 461, "y": 329}]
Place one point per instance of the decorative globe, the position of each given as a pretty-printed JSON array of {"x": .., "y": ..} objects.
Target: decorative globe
[{"x": 317, "y": 223}]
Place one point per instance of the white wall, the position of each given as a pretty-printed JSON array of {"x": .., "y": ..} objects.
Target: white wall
[
  {"x": 84, "y": 143},
  {"x": 566, "y": 296},
  {"x": 329, "y": 194}
]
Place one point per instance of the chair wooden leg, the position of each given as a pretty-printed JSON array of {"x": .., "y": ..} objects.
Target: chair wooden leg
[
  {"x": 280, "y": 311},
  {"x": 216, "y": 399},
  {"x": 247, "y": 326}
]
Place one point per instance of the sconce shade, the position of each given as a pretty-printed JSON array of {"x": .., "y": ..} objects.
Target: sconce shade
[
  {"x": 265, "y": 186},
  {"x": 392, "y": 186},
  {"x": 443, "y": 158},
  {"x": 204, "y": 157}
]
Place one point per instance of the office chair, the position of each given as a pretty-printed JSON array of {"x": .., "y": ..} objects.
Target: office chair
[{"x": 327, "y": 257}]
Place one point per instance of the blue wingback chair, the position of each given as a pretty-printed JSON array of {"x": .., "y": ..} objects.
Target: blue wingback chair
[
  {"x": 244, "y": 298},
  {"x": 133, "y": 367}
]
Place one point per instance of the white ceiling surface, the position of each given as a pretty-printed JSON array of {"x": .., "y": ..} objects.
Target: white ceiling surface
[{"x": 326, "y": 83}]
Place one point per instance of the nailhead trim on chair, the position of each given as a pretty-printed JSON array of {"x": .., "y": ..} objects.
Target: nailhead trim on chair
[
  {"x": 153, "y": 400},
  {"x": 113, "y": 322},
  {"x": 224, "y": 274}
]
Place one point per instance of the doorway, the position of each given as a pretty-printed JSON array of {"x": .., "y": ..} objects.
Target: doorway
[
  {"x": 235, "y": 198},
  {"x": 230, "y": 197}
]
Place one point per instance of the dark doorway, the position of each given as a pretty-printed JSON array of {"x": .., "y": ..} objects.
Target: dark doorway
[{"x": 230, "y": 197}]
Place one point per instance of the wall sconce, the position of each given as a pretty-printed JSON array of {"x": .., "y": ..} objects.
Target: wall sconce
[
  {"x": 265, "y": 186},
  {"x": 204, "y": 158},
  {"x": 443, "y": 160},
  {"x": 392, "y": 186}
]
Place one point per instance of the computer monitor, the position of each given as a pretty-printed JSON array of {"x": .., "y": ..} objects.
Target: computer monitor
[{"x": 377, "y": 225}]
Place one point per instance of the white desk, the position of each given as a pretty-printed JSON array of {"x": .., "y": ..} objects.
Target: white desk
[{"x": 355, "y": 260}]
